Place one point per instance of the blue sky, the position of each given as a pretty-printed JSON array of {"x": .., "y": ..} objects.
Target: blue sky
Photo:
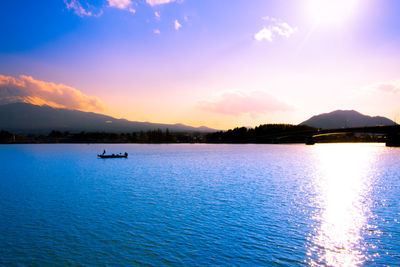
[{"x": 211, "y": 62}]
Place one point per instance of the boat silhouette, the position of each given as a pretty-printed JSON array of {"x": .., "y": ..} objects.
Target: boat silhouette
[{"x": 105, "y": 156}]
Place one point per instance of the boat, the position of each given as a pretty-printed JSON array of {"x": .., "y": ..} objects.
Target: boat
[
  {"x": 310, "y": 141},
  {"x": 113, "y": 156}
]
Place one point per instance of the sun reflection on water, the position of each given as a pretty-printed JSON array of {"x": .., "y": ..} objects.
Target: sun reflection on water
[{"x": 342, "y": 182}]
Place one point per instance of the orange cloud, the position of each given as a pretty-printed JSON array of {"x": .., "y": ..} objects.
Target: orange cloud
[
  {"x": 238, "y": 103},
  {"x": 27, "y": 89}
]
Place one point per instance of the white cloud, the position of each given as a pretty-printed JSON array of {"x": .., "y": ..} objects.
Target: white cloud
[
  {"x": 238, "y": 103},
  {"x": 283, "y": 29},
  {"x": 275, "y": 28},
  {"x": 264, "y": 34},
  {"x": 156, "y": 31},
  {"x": 78, "y": 9},
  {"x": 268, "y": 18},
  {"x": 27, "y": 89},
  {"x": 122, "y": 4},
  {"x": 177, "y": 25},
  {"x": 158, "y": 2},
  {"x": 90, "y": 10}
]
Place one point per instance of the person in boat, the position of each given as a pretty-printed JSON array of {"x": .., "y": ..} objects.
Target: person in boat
[
  {"x": 126, "y": 154},
  {"x": 104, "y": 152}
]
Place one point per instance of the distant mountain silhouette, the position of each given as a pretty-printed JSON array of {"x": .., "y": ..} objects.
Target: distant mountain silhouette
[
  {"x": 22, "y": 118},
  {"x": 345, "y": 119}
]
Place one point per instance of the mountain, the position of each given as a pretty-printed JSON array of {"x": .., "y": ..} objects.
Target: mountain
[
  {"x": 23, "y": 118},
  {"x": 345, "y": 119}
]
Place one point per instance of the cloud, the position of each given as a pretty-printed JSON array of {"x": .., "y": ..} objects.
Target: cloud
[
  {"x": 388, "y": 87},
  {"x": 158, "y": 2},
  {"x": 268, "y": 18},
  {"x": 122, "y": 4},
  {"x": 177, "y": 25},
  {"x": 238, "y": 103},
  {"x": 79, "y": 10},
  {"x": 89, "y": 10},
  {"x": 264, "y": 34},
  {"x": 273, "y": 29},
  {"x": 283, "y": 29},
  {"x": 381, "y": 98},
  {"x": 27, "y": 89},
  {"x": 77, "y": 7}
]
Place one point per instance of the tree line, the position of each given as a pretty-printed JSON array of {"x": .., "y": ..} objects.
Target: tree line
[
  {"x": 151, "y": 136},
  {"x": 264, "y": 134}
]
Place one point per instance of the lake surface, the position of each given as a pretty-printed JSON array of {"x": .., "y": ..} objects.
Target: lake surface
[{"x": 332, "y": 204}]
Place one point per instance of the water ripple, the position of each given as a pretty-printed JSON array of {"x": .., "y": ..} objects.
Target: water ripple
[{"x": 200, "y": 205}]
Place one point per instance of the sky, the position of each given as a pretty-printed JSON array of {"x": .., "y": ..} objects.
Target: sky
[{"x": 215, "y": 63}]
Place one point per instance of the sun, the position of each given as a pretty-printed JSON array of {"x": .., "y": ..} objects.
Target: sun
[{"x": 331, "y": 12}]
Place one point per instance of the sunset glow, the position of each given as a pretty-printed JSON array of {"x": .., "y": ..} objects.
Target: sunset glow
[
  {"x": 200, "y": 132},
  {"x": 222, "y": 65}
]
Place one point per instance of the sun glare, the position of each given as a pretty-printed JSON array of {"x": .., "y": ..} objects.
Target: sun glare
[
  {"x": 331, "y": 12},
  {"x": 343, "y": 183}
]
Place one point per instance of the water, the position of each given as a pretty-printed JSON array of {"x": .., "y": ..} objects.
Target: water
[{"x": 333, "y": 204}]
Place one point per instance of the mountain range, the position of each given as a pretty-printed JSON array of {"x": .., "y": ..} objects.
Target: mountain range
[
  {"x": 345, "y": 119},
  {"x": 23, "y": 118}
]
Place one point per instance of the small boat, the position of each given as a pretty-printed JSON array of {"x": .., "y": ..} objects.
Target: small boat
[
  {"x": 310, "y": 141},
  {"x": 113, "y": 156}
]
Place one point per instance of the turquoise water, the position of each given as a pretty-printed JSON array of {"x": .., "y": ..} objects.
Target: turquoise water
[{"x": 333, "y": 204}]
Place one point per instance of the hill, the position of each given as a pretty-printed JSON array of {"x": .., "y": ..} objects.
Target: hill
[
  {"x": 345, "y": 119},
  {"x": 23, "y": 118}
]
